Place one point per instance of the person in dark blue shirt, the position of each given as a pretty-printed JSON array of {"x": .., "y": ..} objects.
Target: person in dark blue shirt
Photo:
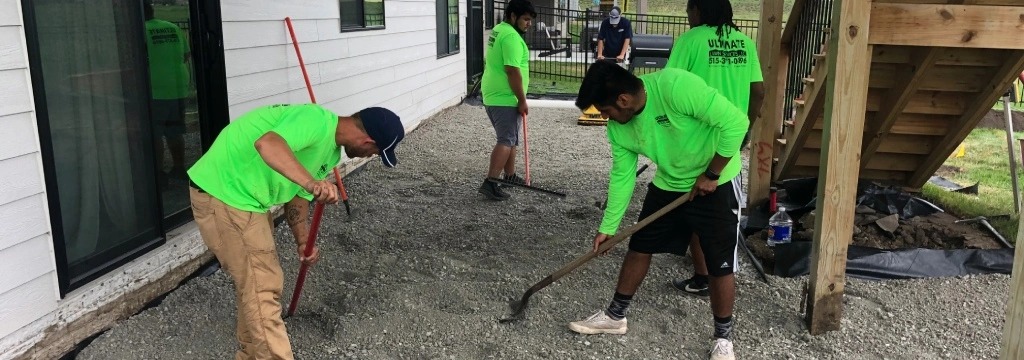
[{"x": 614, "y": 36}]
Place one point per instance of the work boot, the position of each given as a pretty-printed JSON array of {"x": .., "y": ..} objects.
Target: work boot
[
  {"x": 515, "y": 179},
  {"x": 722, "y": 350},
  {"x": 689, "y": 286},
  {"x": 599, "y": 323},
  {"x": 492, "y": 191}
]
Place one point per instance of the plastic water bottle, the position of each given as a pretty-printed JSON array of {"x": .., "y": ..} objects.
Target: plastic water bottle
[{"x": 780, "y": 228}]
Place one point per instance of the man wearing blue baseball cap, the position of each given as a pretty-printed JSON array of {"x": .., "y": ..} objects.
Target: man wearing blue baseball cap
[{"x": 278, "y": 154}]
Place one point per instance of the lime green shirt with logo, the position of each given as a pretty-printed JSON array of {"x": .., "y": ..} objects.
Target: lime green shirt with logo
[
  {"x": 683, "y": 125},
  {"x": 505, "y": 47},
  {"x": 728, "y": 63},
  {"x": 234, "y": 172},
  {"x": 167, "y": 46}
]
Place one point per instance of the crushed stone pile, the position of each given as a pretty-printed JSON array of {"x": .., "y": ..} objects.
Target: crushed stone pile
[{"x": 425, "y": 267}]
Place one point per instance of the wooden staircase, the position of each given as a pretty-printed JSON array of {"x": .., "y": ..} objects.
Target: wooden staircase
[{"x": 922, "y": 103}]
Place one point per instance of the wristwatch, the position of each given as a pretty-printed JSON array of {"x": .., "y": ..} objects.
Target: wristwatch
[{"x": 711, "y": 175}]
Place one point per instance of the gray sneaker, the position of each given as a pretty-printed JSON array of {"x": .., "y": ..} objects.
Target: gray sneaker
[
  {"x": 722, "y": 350},
  {"x": 599, "y": 323},
  {"x": 493, "y": 191}
]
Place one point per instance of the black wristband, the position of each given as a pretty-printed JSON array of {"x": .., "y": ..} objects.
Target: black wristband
[{"x": 710, "y": 175}]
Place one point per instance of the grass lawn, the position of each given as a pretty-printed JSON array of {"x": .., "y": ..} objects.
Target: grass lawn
[
  {"x": 545, "y": 79},
  {"x": 986, "y": 161}
]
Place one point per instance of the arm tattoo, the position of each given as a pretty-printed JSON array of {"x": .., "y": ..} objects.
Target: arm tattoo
[{"x": 295, "y": 215}]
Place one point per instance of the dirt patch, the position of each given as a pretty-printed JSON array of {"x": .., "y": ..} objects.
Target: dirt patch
[
  {"x": 947, "y": 171},
  {"x": 937, "y": 231},
  {"x": 996, "y": 120}
]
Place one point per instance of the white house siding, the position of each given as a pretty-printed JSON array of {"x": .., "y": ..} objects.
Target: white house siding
[
  {"x": 396, "y": 67},
  {"x": 34, "y": 321},
  {"x": 28, "y": 284}
]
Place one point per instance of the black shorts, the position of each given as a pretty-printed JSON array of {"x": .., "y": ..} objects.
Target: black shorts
[
  {"x": 169, "y": 117},
  {"x": 711, "y": 217}
]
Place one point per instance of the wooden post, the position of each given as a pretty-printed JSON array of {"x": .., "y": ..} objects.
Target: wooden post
[
  {"x": 849, "y": 62},
  {"x": 1013, "y": 328},
  {"x": 768, "y": 126}
]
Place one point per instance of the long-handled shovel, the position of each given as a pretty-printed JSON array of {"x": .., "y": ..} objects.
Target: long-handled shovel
[
  {"x": 519, "y": 305},
  {"x": 526, "y": 150}
]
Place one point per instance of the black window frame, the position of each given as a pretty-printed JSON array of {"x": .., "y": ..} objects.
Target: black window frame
[
  {"x": 363, "y": 26},
  {"x": 213, "y": 103},
  {"x": 443, "y": 13}
]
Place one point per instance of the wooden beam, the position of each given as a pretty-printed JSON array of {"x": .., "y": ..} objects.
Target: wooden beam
[
  {"x": 899, "y": 54},
  {"x": 939, "y": 2},
  {"x": 1013, "y": 344},
  {"x": 794, "y": 19},
  {"x": 768, "y": 126},
  {"x": 957, "y": 26},
  {"x": 972, "y": 115},
  {"x": 896, "y": 99},
  {"x": 849, "y": 58}
]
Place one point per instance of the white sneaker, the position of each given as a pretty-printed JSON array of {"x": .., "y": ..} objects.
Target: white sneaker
[
  {"x": 599, "y": 323},
  {"x": 722, "y": 350}
]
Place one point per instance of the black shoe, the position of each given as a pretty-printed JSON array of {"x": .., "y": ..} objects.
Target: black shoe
[
  {"x": 492, "y": 191},
  {"x": 515, "y": 179},
  {"x": 690, "y": 287}
]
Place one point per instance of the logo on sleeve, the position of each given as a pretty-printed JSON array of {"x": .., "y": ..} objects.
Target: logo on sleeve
[{"x": 662, "y": 120}]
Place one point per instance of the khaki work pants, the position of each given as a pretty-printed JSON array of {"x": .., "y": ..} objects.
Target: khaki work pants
[{"x": 244, "y": 244}]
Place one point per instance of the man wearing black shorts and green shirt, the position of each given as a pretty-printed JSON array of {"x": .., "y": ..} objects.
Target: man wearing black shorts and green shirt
[
  {"x": 278, "y": 154},
  {"x": 690, "y": 132},
  {"x": 169, "y": 76},
  {"x": 715, "y": 50},
  {"x": 503, "y": 86}
]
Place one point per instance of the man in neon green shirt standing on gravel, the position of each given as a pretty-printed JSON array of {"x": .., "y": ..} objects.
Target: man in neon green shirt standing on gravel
[
  {"x": 278, "y": 154},
  {"x": 169, "y": 53},
  {"x": 690, "y": 131},
  {"x": 715, "y": 50},
  {"x": 503, "y": 86}
]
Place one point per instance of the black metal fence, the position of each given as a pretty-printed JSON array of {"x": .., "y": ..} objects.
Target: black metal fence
[
  {"x": 563, "y": 43},
  {"x": 807, "y": 40}
]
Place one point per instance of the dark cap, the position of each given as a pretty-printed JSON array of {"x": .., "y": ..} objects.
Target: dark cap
[{"x": 386, "y": 129}]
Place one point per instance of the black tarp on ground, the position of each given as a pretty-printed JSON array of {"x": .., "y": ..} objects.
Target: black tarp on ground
[
  {"x": 793, "y": 259},
  {"x": 799, "y": 196}
]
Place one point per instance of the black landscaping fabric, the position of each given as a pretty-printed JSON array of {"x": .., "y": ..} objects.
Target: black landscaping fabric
[{"x": 799, "y": 196}]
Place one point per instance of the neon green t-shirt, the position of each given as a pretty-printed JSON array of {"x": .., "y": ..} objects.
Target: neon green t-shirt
[
  {"x": 683, "y": 125},
  {"x": 167, "y": 46},
  {"x": 505, "y": 47},
  {"x": 235, "y": 173},
  {"x": 729, "y": 64}
]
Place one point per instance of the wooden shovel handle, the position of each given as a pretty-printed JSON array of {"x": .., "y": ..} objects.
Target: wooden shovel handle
[{"x": 614, "y": 240}]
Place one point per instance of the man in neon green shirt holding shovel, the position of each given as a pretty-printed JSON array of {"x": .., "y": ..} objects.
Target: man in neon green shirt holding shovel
[
  {"x": 690, "y": 131},
  {"x": 277, "y": 154}
]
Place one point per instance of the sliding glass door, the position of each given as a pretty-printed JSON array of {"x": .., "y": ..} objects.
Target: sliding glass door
[{"x": 119, "y": 123}]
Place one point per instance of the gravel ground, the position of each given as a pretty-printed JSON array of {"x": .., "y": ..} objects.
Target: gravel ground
[{"x": 425, "y": 267}]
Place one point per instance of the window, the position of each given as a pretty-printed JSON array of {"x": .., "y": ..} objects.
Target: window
[
  {"x": 447, "y": 27},
  {"x": 119, "y": 123},
  {"x": 362, "y": 14}
]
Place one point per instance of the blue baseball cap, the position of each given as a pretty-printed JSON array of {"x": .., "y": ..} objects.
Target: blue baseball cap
[{"x": 386, "y": 129}]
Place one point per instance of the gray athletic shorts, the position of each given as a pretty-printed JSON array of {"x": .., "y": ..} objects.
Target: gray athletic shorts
[{"x": 507, "y": 122}]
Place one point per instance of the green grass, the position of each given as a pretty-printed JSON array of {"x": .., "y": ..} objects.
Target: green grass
[
  {"x": 985, "y": 161},
  {"x": 544, "y": 79},
  {"x": 173, "y": 13}
]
